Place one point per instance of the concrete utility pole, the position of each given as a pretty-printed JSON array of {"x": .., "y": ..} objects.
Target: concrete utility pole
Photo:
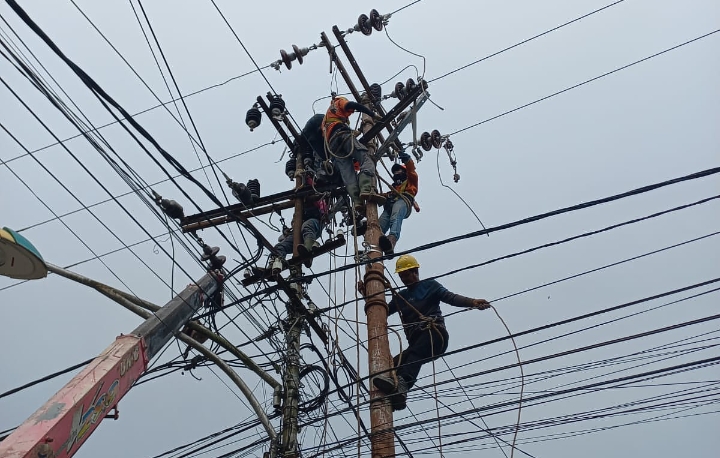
[
  {"x": 291, "y": 376},
  {"x": 376, "y": 309}
]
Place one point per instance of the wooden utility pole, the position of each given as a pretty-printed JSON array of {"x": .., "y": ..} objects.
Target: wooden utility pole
[
  {"x": 291, "y": 376},
  {"x": 376, "y": 309}
]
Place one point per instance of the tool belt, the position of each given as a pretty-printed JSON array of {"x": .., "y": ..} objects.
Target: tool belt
[
  {"x": 392, "y": 197},
  {"x": 433, "y": 324}
]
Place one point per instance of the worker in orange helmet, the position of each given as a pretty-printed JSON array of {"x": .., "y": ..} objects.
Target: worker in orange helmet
[
  {"x": 419, "y": 308},
  {"x": 399, "y": 202},
  {"x": 342, "y": 146}
]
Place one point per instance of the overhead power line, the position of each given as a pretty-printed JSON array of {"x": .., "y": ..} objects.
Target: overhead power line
[
  {"x": 584, "y": 82},
  {"x": 510, "y": 405},
  {"x": 532, "y": 219},
  {"x": 525, "y": 41},
  {"x": 583, "y": 317},
  {"x": 46, "y": 378}
]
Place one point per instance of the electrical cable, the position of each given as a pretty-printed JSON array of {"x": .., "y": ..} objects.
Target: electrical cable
[
  {"x": 657, "y": 372},
  {"x": 525, "y": 41},
  {"x": 578, "y": 318},
  {"x": 106, "y": 100},
  {"x": 46, "y": 378},
  {"x": 584, "y": 82},
  {"x": 532, "y": 219}
]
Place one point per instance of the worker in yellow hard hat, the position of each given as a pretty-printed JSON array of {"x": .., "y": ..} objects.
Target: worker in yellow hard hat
[{"x": 419, "y": 308}]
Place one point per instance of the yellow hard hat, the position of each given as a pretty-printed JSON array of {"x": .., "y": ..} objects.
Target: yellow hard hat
[{"x": 406, "y": 262}]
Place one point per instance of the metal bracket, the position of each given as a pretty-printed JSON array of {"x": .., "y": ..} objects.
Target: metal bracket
[{"x": 411, "y": 116}]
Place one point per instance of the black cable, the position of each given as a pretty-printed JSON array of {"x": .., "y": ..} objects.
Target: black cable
[
  {"x": 76, "y": 121},
  {"x": 525, "y": 41},
  {"x": 187, "y": 110},
  {"x": 107, "y": 101},
  {"x": 584, "y": 82},
  {"x": 531, "y": 219},
  {"x": 577, "y": 318},
  {"x": 257, "y": 67},
  {"x": 46, "y": 378},
  {"x": 667, "y": 370},
  {"x": 497, "y": 228},
  {"x": 162, "y": 104}
]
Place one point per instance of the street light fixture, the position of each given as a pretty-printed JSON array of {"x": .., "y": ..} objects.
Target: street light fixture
[{"x": 19, "y": 258}]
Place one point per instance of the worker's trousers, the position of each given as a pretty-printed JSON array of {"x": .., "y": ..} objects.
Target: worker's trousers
[
  {"x": 310, "y": 229},
  {"x": 392, "y": 217},
  {"x": 344, "y": 147},
  {"x": 423, "y": 346}
]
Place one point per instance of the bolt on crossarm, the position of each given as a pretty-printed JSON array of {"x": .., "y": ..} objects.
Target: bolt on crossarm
[{"x": 376, "y": 309}]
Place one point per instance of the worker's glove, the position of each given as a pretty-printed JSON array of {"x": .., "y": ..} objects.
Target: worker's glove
[
  {"x": 480, "y": 304},
  {"x": 404, "y": 157},
  {"x": 377, "y": 117}
]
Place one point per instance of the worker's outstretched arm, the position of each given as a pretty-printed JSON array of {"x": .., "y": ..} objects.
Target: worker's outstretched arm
[
  {"x": 359, "y": 107},
  {"x": 456, "y": 300}
]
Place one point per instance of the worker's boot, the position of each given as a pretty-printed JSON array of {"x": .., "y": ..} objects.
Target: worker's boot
[
  {"x": 387, "y": 244},
  {"x": 367, "y": 192},
  {"x": 306, "y": 250},
  {"x": 399, "y": 398},
  {"x": 385, "y": 383},
  {"x": 354, "y": 192}
]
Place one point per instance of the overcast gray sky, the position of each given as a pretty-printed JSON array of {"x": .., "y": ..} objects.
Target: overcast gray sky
[{"x": 651, "y": 122}]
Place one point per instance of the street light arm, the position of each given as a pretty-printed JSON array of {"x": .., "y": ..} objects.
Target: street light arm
[
  {"x": 118, "y": 297},
  {"x": 132, "y": 302}
]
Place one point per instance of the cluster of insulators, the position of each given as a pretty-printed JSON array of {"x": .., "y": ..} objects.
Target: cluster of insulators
[
  {"x": 210, "y": 254},
  {"x": 170, "y": 207},
  {"x": 290, "y": 167},
  {"x": 248, "y": 193},
  {"x": 253, "y": 117},
  {"x": 402, "y": 90},
  {"x": 432, "y": 140},
  {"x": 287, "y": 58},
  {"x": 366, "y": 23}
]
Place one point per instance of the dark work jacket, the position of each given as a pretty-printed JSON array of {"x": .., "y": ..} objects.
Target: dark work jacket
[
  {"x": 425, "y": 296},
  {"x": 313, "y": 134}
]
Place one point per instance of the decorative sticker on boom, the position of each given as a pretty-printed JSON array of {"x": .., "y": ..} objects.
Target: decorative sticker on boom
[
  {"x": 107, "y": 393},
  {"x": 83, "y": 419}
]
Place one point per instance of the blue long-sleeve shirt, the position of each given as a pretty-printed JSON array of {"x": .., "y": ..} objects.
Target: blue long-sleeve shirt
[{"x": 423, "y": 297}]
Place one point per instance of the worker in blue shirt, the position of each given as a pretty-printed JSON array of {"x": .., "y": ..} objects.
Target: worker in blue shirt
[{"x": 419, "y": 308}]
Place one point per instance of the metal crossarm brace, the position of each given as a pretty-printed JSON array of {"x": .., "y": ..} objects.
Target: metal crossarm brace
[
  {"x": 275, "y": 122},
  {"x": 264, "y": 206},
  {"x": 392, "y": 114},
  {"x": 402, "y": 125}
]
